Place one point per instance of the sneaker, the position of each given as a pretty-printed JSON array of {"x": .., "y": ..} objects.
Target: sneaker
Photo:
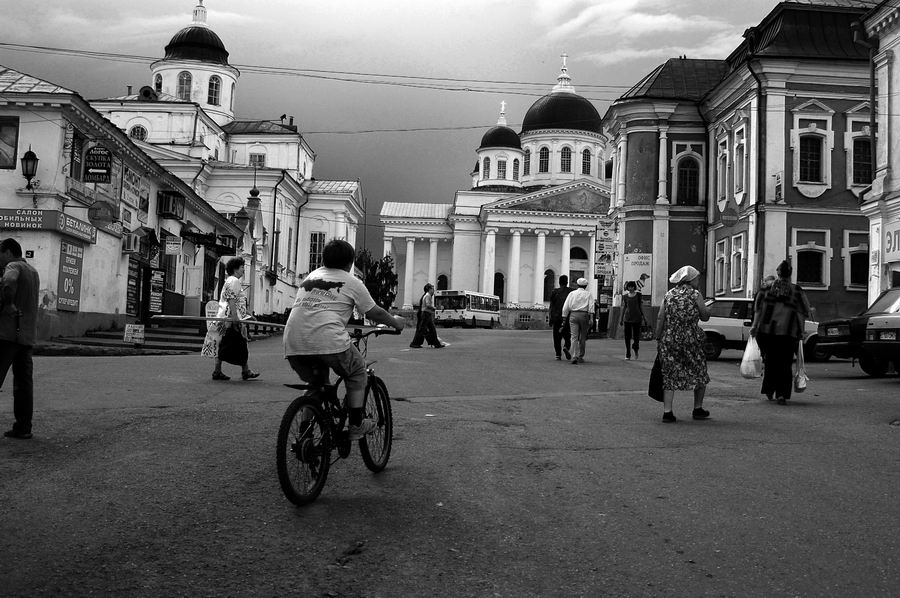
[
  {"x": 249, "y": 375},
  {"x": 700, "y": 413},
  {"x": 635, "y": 353},
  {"x": 220, "y": 376},
  {"x": 415, "y": 346},
  {"x": 363, "y": 429},
  {"x": 669, "y": 417},
  {"x": 575, "y": 361},
  {"x": 628, "y": 358},
  {"x": 558, "y": 358},
  {"x": 567, "y": 354},
  {"x": 17, "y": 434}
]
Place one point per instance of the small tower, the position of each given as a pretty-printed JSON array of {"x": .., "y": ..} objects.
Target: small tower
[{"x": 499, "y": 163}]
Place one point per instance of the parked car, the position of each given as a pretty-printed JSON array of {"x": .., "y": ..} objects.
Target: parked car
[
  {"x": 729, "y": 324},
  {"x": 846, "y": 337},
  {"x": 883, "y": 338}
]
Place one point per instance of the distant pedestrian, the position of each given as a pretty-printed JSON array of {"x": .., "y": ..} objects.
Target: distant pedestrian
[
  {"x": 632, "y": 318},
  {"x": 562, "y": 335},
  {"x": 778, "y": 322},
  {"x": 18, "y": 328},
  {"x": 425, "y": 330},
  {"x": 681, "y": 342},
  {"x": 232, "y": 307},
  {"x": 577, "y": 309}
]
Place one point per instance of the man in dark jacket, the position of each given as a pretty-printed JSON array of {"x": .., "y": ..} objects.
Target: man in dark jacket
[
  {"x": 18, "y": 324},
  {"x": 562, "y": 336}
]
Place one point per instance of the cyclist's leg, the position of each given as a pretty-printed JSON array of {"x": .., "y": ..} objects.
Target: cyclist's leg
[
  {"x": 351, "y": 366},
  {"x": 312, "y": 369}
]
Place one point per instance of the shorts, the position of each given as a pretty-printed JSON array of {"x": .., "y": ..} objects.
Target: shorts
[{"x": 347, "y": 364}]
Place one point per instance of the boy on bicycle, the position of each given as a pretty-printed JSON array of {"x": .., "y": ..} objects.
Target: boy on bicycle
[{"x": 316, "y": 337}]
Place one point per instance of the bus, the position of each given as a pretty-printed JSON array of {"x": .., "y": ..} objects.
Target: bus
[{"x": 466, "y": 308}]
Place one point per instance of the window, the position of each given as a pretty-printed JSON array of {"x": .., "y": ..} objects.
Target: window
[
  {"x": 586, "y": 162},
  {"x": 722, "y": 174},
  {"x": 501, "y": 170},
  {"x": 855, "y": 254},
  {"x": 442, "y": 282},
  {"x": 499, "y": 285},
  {"x": 687, "y": 188},
  {"x": 9, "y": 142},
  {"x": 486, "y": 169},
  {"x": 76, "y": 162},
  {"x": 516, "y": 169},
  {"x": 577, "y": 253},
  {"x": 811, "y": 254},
  {"x": 565, "y": 160},
  {"x": 170, "y": 265},
  {"x": 862, "y": 161},
  {"x": 526, "y": 166},
  {"x": 231, "y": 99},
  {"x": 740, "y": 164},
  {"x": 544, "y": 160},
  {"x": 316, "y": 245},
  {"x": 157, "y": 83},
  {"x": 138, "y": 132},
  {"x": 549, "y": 283},
  {"x": 184, "y": 86},
  {"x": 215, "y": 86},
  {"x": 812, "y": 141},
  {"x": 810, "y": 159},
  {"x": 737, "y": 262},
  {"x": 720, "y": 269},
  {"x": 258, "y": 160}
]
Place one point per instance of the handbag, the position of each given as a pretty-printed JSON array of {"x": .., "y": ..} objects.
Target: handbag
[
  {"x": 646, "y": 331},
  {"x": 233, "y": 347},
  {"x": 655, "y": 388},
  {"x": 801, "y": 380},
  {"x": 751, "y": 362}
]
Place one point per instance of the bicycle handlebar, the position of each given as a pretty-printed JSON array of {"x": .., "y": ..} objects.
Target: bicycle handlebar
[{"x": 357, "y": 333}]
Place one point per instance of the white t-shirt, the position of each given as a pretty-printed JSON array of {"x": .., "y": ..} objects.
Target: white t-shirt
[{"x": 324, "y": 304}]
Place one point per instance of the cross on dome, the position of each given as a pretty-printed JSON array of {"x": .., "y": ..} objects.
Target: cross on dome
[
  {"x": 501, "y": 122},
  {"x": 200, "y": 14},
  {"x": 563, "y": 81}
]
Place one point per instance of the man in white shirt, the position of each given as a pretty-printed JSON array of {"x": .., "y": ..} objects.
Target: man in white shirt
[
  {"x": 316, "y": 337},
  {"x": 578, "y": 308}
]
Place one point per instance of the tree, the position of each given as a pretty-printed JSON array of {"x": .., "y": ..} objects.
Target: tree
[{"x": 379, "y": 277}]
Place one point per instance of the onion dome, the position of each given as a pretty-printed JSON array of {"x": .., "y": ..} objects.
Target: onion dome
[
  {"x": 197, "y": 42},
  {"x": 562, "y": 108},
  {"x": 501, "y": 135}
]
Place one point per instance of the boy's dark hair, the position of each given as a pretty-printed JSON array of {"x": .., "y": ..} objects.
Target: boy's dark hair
[
  {"x": 428, "y": 286},
  {"x": 338, "y": 254},
  {"x": 630, "y": 285},
  {"x": 785, "y": 269},
  {"x": 233, "y": 264},
  {"x": 563, "y": 281},
  {"x": 12, "y": 246}
]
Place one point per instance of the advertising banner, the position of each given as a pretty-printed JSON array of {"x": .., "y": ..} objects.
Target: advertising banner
[
  {"x": 71, "y": 260},
  {"x": 11, "y": 218},
  {"x": 97, "y": 165},
  {"x": 891, "y": 242},
  {"x": 131, "y": 187},
  {"x": 638, "y": 267}
]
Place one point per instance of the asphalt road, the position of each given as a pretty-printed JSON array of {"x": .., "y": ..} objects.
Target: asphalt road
[{"x": 512, "y": 475}]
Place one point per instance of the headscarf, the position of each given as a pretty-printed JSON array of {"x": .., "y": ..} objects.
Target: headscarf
[{"x": 684, "y": 274}]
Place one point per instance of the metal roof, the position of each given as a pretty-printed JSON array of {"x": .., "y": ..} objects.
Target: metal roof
[
  {"x": 679, "y": 78},
  {"x": 12, "y": 81},
  {"x": 335, "y": 187},
  {"x": 395, "y": 209},
  {"x": 258, "y": 127}
]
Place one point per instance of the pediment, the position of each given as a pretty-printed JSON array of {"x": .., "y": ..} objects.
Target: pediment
[{"x": 567, "y": 199}]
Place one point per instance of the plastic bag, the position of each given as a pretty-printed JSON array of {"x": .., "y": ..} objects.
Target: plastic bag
[
  {"x": 801, "y": 380},
  {"x": 752, "y": 363}
]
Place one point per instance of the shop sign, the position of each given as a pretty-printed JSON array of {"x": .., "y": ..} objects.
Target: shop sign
[
  {"x": 173, "y": 245},
  {"x": 891, "y": 242},
  {"x": 131, "y": 187},
  {"x": 47, "y": 220},
  {"x": 97, "y": 165},
  {"x": 134, "y": 333},
  {"x": 71, "y": 260},
  {"x": 639, "y": 268},
  {"x": 157, "y": 289}
]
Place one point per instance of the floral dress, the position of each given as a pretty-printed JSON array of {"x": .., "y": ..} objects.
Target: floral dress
[
  {"x": 231, "y": 290},
  {"x": 681, "y": 348}
]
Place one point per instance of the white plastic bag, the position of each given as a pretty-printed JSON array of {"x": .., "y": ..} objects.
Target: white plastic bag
[
  {"x": 752, "y": 363},
  {"x": 801, "y": 380}
]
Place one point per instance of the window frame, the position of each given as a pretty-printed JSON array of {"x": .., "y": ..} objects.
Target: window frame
[
  {"x": 737, "y": 263},
  {"x": 526, "y": 163},
  {"x": 131, "y": 132},
  {"x": 157, "y": 83},
  {"x": 587, "y": 161},
  {"x": 259, "y": 163},
  {"x": 813, "y": 110},
  {"x": 824, "y": 250},
  {"x": 741, "y": 164},
  {"x": 720, "y": 271},
  {"x": 516, "y": 169},
  {"x": 214, "y": 97},
  {"x": 565, "y": 160},
  {"x": 544, "y": 160},
  {"x": 12, "y": 125},
  {"x": 847, "y": 252},
  {"x": 485, "y": 168},
  {"x": 501, "y": 170},
  {"x": 316, "y": 247},
  {"x": 183, "y": 92},
  {"x": 860, "y": 115},
  {"x": 723, "y": 157}
]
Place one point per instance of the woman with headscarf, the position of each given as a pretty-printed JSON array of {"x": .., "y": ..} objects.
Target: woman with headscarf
[
  {"x": 682, "y": 341},
  {"x": 778, "y": 321}
]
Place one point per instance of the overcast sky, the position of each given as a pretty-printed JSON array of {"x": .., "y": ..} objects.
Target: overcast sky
[{"x": 406, "y": 141}]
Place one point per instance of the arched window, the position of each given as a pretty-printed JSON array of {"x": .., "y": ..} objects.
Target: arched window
[
  {"x": 565, "y": 160},
  {"x": 501, "y": 170},
  {"x": 138, "y": 132},
  {"x": 544, "y": 160},
  {"x": 577, "y": 253},
  {"x": 549, "y": 282},
  {"x": 442, "y": 282},
  {"x": 215, "y": 85},
  {"x": 688, "y": 191},
  {"x": 157, "y": 83},
  {"x": 526, "y": 167},
  {"x": 811, "y": 159},
  {"x": 486, "y": 169},
  {"x": 184, "y": 86},
  {"x": 499, "y": 283},
  {"x": 862, "y": 161},
  {"x": 516, "y": 169},
  {"x": 586, "y": 162}
]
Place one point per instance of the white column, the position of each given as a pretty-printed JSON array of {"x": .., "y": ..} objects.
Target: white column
[
  {"x": 512, "y": 283},
  {"x": 661, "y": 267},
  {"x": 386, "y": 250},
  {"x": 487, "y": 260},
  {"x": 614, "y": 182},
  {"x": 661, "y": 196},
  {"x": 564, "y": 263},
  {"x": 432, "y": 262},
  {"x": 539, "y": 266},
  {"x": 620, "y": 192},
  {"x": 592, "y": 260},
  {"x": 408, "y": 292}
]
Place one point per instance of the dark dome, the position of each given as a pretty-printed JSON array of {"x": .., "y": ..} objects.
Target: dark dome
[
  {"x": 501, "y": 136},
  {"x": 197, "y": 43},
  {"x": 562, "y": 111}
]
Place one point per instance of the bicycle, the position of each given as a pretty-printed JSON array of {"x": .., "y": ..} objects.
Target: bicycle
[{"x": 315, "y": 425}]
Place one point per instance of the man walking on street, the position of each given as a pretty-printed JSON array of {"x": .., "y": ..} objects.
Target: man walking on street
[
  {"x": 18, "y": 324},
  {"x": 578, "y": 308},
  {"x": 559, "y": 324},
  {"x": 425, "y": 331}
]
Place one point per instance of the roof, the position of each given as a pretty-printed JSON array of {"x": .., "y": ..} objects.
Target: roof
[
  {"x": 679, "y": 79},
  {"x": 334, "y": 187},
  {"x": 394, "y": 209},
  {"x": 12, "y": 81},
  {"x": 197, "y": 42},
  {"x": 258, "y": 127},
  {"x": 564, "y": 110},
  {"x": 501, "y": 136},
  {"x": 161, "y": 96}
]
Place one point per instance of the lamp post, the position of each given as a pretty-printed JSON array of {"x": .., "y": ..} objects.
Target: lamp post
[{"x": 29, "y": 167}]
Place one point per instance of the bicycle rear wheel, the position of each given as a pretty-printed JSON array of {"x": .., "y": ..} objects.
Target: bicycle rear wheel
[
  {"x": 375, "y": 448},
  {"x": 303, "y": 450}
]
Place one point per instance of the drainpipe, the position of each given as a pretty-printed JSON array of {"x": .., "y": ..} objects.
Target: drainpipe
[
  {"x": 297, "y": 239},
  {"x": 859, "y": 37},
  {"x": 196, "y": 117},
  {"x": 274, "y": 206},
  {"x": 709, "y": 163},
  {"x": 761, "y": 103}
]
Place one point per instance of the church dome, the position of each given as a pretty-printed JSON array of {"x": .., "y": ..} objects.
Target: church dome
[
  {"x": 197, "y": 42},
  {"x": 562, "y": 109},
  {"x": 501, "y": 136}
]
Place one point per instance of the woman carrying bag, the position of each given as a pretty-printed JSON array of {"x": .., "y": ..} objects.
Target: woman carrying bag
[
  {"x": 226, "y": 340},
  {"x": 632, "y": 318}
]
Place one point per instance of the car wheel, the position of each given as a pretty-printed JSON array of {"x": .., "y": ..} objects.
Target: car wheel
[
  {"x": 873, "y": 366},
  {"x": 713, "y": 347},
  {"x": 812, "y": 352}
]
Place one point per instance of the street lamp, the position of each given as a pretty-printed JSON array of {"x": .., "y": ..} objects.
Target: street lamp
[{"x": 29, "y": 167}]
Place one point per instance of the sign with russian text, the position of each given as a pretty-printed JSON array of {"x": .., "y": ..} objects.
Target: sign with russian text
[
  {"x": 639, "y": 268},
  {"x": 157, "y": 289},
  {"x": 11, "y": 218},
  {"x": 173, "y": 245},
  {"x": 131, "y": 187},
  {"x": 97, "y": 165},
  {"x": 891, "y": 242},
  {"x": 134, "y": 333},
  {"x": 71, "y": 260}
]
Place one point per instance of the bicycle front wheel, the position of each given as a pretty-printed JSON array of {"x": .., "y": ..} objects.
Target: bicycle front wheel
[
  {"x": 303, "y": 450},
  {"x": 375, "y": 448}
]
